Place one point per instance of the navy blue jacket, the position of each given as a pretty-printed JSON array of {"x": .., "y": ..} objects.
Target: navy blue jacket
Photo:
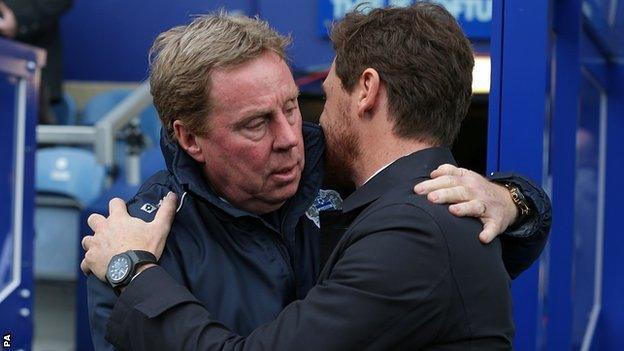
[
  {"x": 259, "y": 269},
  {"x": 241, "y": 268}
]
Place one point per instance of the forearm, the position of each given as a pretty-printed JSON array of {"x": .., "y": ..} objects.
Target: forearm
[
  {"x": 354, "y": 308},
  {"x": 154, "y": 312}
]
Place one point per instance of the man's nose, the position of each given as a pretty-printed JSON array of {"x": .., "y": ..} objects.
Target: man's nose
[{"x": 286, "y": 134}]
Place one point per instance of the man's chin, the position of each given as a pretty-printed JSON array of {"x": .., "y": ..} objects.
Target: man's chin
[{"x": 283, "y": 192}]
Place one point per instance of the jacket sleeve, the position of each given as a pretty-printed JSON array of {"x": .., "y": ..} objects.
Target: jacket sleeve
[
  {"x": 379, "y": 293},
  {"x": 101, "y": 297},
  {"x": 35, "y": 17},
  {"x": 100, "y": 300},
  {"x": 523, "y": 243}
]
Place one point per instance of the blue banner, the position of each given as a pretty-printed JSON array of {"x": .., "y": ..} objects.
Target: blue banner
[{"x": 475, "y": 16}]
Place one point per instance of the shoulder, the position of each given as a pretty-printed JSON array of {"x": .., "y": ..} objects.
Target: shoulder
[
  {"x": 144, "y": 204},
  {"x": 414, "y": 219},
  {"x": 396, "y": 224},
  {"x": 403, "y": 206},
  {"x": 399, "y": 208}
]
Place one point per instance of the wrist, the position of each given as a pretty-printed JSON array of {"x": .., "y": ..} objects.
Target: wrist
[
  {"x": 511, "y": 209},
  {"x": 123, "y": 267},
  {"x": 138, "y": 271}
]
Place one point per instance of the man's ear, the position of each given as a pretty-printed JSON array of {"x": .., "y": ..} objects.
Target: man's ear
[
  {"x": 188, "y": 141},
  {"x": 368, "y": 91}
]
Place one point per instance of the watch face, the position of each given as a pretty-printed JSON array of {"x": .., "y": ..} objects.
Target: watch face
[{"x": 118, "y": 268}]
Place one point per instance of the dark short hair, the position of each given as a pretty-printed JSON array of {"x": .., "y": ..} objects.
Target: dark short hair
[{"x": 424, "y": 60}]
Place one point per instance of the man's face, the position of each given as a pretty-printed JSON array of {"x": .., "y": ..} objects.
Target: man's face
[
  {"x": 254, "y": 150},
  {"x": 342, "y": 142}
]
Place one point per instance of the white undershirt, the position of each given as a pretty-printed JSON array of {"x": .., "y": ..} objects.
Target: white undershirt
[{"x": 378, "y": 171}]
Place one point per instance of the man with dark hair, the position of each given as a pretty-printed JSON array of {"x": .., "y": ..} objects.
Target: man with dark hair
[{"x": 403, "y": 273}]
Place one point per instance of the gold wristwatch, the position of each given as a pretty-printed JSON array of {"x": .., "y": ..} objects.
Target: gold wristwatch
[{"x": 519, "y": 200}]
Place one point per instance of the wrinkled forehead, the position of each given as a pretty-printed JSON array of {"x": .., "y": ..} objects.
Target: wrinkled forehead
[{"x": 264, "y": 80}]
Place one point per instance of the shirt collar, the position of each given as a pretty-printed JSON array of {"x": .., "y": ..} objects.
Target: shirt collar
[{"x": 412, "y": 167}]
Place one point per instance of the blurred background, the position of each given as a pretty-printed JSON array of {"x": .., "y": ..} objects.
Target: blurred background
[{"x": 78, "y": 127}]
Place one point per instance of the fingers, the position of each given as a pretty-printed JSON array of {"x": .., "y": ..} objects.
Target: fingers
[
  {"x": 84, "y": 267},
  {"x": 117, "y": 207},
  {"x": 86, "y": 242},
  {"x": 95, "y": 220},
  {"x": 449, "y": 170},
  {"x": 490, "y": 232},
  {"x": 449, "y": 195},
  {"x": 473, "y": 208},
  {"x": 166, "y": 211},
  {"x": 435, "y": 184}
]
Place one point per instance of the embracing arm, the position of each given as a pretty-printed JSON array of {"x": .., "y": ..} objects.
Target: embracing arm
[
  {"x": 523, "y": 242},
  {"x": 523, "y": 238}
]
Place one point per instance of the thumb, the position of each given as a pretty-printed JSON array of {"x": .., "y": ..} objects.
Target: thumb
[{"x": 166, "y": 211}]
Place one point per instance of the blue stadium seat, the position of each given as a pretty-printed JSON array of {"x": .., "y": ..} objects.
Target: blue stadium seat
[
  {"x": 67, "y": 180},
  {"x": 71, "y": 172},
  {"x": 101, "y": 104},
  {"x": 65, "y": 110}
]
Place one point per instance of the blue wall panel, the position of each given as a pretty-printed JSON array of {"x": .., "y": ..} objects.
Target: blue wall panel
[
  {"x": 299, "y": 18},
  {"x": 518, "y": 113},
  {"x": 567, "y": 28},
  {"x": 109, "y": 40},
  {"x": 19, "y": 81},
  {"x": 612, "y": 317}
]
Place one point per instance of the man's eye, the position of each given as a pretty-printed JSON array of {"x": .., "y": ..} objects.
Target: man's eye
[{"x": 256, "y": 124}]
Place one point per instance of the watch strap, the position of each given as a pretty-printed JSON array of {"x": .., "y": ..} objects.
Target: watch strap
[{"x": 140, "y": 257}]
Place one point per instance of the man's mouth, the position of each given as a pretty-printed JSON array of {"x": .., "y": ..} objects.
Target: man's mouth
[{"x": 285, "y": 174}]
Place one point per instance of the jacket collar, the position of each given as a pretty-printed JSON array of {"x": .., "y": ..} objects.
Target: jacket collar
[
  {"x": 417, "y": 165},
  {"x": 187, "y": 172}
]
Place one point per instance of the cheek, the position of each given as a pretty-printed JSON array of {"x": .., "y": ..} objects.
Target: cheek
[
  {"x": 252, "y": 160},
  {"x": 234, "y": 158},
  {"x": 322, "y": 118}
]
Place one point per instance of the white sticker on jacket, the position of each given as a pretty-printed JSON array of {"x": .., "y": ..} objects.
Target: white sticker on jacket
[
  {"x": 149, "y": 208},
  {"x": 326, "y": 200}
]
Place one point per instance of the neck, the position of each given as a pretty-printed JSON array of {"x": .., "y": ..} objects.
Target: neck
[{"x": 381, "y": 151}]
